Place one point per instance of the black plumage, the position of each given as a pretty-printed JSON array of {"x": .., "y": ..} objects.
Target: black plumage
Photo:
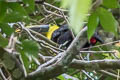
[{"x": 63, "y": 35}]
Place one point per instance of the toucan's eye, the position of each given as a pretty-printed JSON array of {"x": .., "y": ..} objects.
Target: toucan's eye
[{"x": 93, "y": 40}]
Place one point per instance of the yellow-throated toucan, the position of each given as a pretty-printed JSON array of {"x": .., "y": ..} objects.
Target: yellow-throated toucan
[{"x": 63, "y": 34}]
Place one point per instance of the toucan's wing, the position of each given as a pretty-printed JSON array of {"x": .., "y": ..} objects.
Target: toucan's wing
[{"x": 65, "y": 38}]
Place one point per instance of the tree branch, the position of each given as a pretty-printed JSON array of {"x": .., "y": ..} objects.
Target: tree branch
[
  {"x": 97, "y": 52},
  {"x": 102, "y": 45},
  {"x": 96, "y": 64},
  {"x": 61, "y": 65}
]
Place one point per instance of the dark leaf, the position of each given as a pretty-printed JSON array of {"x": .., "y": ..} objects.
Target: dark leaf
[
  {"x": 92, "y": 24},
  {"x": 107, "y": 20}
]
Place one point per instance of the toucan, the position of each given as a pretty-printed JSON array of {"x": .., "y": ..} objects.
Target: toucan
[{"x": 62, "y": 34}]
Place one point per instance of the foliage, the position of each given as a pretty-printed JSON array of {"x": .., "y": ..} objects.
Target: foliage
[
  {"x": 111, "y": 3},
  {"x": 92, "y": 21},
  {"x": 3, "y": 41},
  {"x": 30, "y": 47},
  {"x": 12, "y": 10},
  {"x": 105, "y": 18},
  {"x": 80, "y": 11}
]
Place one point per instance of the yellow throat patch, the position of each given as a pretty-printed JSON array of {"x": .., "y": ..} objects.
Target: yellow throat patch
[{"x": 52, "y": 28}]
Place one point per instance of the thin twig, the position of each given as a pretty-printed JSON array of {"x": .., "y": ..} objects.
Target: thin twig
[
  {"x": 65, "y": 17},
  {"x": 41, "y": 57},
  {"x": 43, "y": 38},
  {"x": 109, "y": 74},
  {"x": 118, "y": 76},
  {"x": 46, "y": 17},
  {"x": 92, "y": 52},
  {"x": 49, "y": 48},
  {"x": 87, "y": 74},
  {"x": 2, "y": 74},
  {"x": 32, "y": 20},
  {"x": 54, "y": 7},
  {"x": 51, "y": 12},
  {"x": 102, "y": 45}
]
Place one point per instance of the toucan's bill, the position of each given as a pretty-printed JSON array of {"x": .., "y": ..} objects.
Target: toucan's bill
[
  {"x": 39, "y": 28},
  {"x": 47, "y": 29}
]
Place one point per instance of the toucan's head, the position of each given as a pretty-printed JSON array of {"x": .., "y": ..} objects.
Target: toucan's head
[{"x": 93, "y": 40}]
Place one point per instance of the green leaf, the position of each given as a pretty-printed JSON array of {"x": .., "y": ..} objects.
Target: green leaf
[
  {"x": 30, "y": 5},
  {"x": 15, "y": 17},
  {"x": 65, "y": 3},
  {"x": 110, "y": 3},
  {"x": 17, "y": 8},
  {"x": 61, "y": 77},
  {"x": 3, "y": 8},
  {"x": 30, "y": 47},
  {"x": 109, "y": 78},
  {"x": 15, "y": 13},
  {"x": 92, "y": 24},
  {"x": 78, "y": 13},
  {"x": 3, "y": 41},
  {"x": 6, "y": 29},
  {"x": 107, "y": 20}
]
